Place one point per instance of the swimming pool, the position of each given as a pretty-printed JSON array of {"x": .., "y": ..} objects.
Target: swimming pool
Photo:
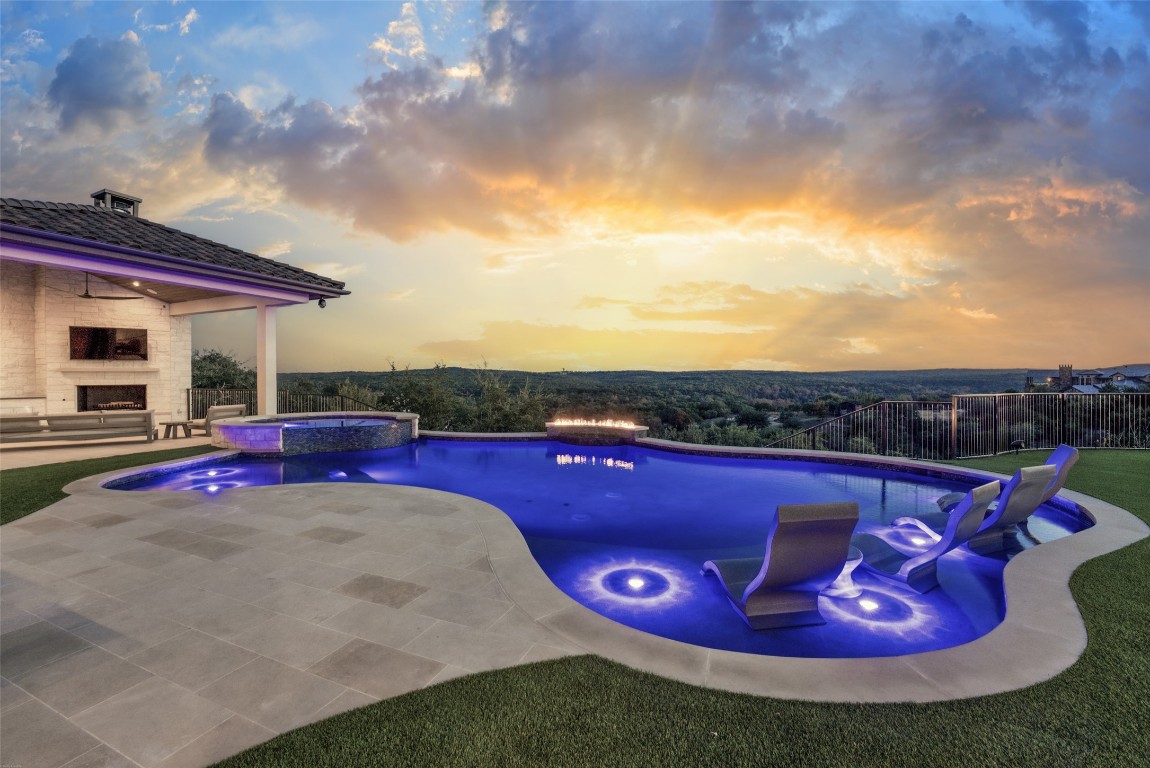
[{"x": 601, "y": 520}]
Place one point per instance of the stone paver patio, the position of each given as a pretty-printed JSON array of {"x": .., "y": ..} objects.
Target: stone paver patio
[{"x": 175, "y": 629}]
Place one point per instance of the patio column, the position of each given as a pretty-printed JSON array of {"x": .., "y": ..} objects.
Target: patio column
[{"x": 266, "y": 360}]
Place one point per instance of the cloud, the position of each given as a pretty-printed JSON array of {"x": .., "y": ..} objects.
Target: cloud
[
  {"x": 720, "y": 326},
  {"x": 275, "y": 250},
  {"x": 333, "y": 269},
  {"x": 565, "y": 122},
  {"x": 103, "y": 82},
  {"x": 404, "y": 38},
  {"x": 978, "y": 314},
  {"x": 282, "y": 34},
  {"x": 643, "y": 115},
  {"x": 511, "y": 260},
  {"x": 184, "y": 25},
  {"x": 400, "y": 295}
]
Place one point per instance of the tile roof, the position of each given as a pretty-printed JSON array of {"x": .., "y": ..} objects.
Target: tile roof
[{"x": 109, "y": 227}]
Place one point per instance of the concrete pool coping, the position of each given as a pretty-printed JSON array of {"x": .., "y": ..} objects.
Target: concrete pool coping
[
  {"x": 314, "y": 599},
  {"x": 1041, "y": 613}
]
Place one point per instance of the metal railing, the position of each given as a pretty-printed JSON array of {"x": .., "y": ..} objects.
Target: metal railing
[
  {"x": 983, "y": 425},
  {"x": 967, "y": 426},
  {"x": 199, "y": 400},
  {"x": 911, "y": 428}
]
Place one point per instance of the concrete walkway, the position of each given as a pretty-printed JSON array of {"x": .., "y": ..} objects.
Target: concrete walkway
[{"x": 175, "y": 629}]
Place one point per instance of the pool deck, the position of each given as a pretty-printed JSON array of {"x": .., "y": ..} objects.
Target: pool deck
[{"x": 175, "y": 629}]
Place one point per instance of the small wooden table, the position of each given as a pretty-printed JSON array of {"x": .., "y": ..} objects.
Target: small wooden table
[{"x": 170, "y": 428}]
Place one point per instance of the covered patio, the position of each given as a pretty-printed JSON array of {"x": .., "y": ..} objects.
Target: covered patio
[{"x": 101, "y": 265}]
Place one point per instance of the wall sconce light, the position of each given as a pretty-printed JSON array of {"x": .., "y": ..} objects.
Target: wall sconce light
[{"x": 322, "y": 303}]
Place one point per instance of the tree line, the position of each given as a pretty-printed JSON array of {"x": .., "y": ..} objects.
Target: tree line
[{"x": 741, "y": 408}]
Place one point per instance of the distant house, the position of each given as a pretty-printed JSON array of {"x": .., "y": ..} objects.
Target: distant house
[
  {"x": 1090, "y": 381},
  {"x": 96, "y": 306}
]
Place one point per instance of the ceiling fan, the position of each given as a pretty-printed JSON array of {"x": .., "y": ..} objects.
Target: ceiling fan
[{"x": 88, "y": 295}]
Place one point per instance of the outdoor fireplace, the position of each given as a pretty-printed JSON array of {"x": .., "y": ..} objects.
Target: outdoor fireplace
[{"x": 114, "y": 397}]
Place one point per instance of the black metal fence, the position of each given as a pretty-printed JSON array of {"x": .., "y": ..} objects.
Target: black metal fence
[
  {"x": 983, "y": 425},
  {"x": 199, "y": 400},
  {"x": 967, "y": 426},
  {"x": 990, "y": 424}
]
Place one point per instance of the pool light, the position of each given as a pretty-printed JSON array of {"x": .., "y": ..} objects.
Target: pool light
[{"x": 633, "y": 584}]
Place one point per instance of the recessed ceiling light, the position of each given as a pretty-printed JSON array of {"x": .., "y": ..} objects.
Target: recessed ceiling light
[
  {"x": 135, "y": 283},
  {"x": 149, "y": 290}
]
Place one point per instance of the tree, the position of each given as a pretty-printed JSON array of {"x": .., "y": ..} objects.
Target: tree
[
  {"x": 430, "y": 395},
  {"x": 358, "y": 393},
  {"x": 213, "y": 369}
]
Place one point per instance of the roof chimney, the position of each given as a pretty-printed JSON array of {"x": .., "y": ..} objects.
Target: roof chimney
[{"x": 117, "y": 201}]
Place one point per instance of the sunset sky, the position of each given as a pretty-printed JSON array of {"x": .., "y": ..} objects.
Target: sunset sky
[{"x": 669, "y": 186}]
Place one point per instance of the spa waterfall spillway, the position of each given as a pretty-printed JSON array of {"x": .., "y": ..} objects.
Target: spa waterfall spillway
[{"x": 295, "y": 434}]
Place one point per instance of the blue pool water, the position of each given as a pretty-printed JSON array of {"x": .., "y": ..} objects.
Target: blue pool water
[{"x": 624, "y": 530}]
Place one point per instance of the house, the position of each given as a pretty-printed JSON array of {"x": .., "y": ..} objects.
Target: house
[
  {"x": 96, "y": 306},
  {"x": 1090, "y": 381}
]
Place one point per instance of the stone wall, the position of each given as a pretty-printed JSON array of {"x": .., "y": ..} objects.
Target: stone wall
[{"x": 22, "y": 384}]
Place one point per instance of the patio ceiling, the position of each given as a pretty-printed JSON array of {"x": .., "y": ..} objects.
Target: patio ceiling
[{"x": 165, "y": 292}]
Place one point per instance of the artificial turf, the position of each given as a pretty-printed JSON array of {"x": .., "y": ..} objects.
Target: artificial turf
[
  {"x": 587, "y": 711},
  {"x": 26, "y": 489}
]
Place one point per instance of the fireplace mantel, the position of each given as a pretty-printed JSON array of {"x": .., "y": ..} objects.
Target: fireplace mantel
[{"x": 105, "y": 369}]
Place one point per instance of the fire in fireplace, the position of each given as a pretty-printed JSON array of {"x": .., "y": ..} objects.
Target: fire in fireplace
[{"x": 115, "y": 397}]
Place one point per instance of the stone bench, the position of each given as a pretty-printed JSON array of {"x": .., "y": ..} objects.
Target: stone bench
[{"x": 78, "y": 426}]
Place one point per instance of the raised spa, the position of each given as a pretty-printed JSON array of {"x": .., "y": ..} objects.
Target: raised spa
[
  {"x": 624, "y": 530},
  {"x": 294, "y": 434}
]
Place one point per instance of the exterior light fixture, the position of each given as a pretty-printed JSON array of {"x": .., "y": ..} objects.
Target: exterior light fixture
[{"x": 322, "y": 303}]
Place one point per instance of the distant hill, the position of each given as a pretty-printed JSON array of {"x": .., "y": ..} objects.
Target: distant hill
[
  {"x": 787, "y": 386},
  {"x": 725, "y": 407}
]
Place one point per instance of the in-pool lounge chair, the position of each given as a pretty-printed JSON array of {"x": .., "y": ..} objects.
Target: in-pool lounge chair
[
  {"x": 216, "y": 412},
  {"x": 806, "y": 549},
  {"x": 1063, "y": 458},
  {"x": 920, "y": 571},
  {"x": 1019, "y": 499}
]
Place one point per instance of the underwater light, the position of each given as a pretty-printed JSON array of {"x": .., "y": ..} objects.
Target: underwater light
[
  {"x": 214, "y": 488},
  {"x": 199, "y": 474},
  {"x": 633, "y": 584},
  {"x": 886, "y": 609}
]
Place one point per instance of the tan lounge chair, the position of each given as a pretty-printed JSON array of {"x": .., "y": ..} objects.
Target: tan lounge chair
[
  {"x": 806, "y": 550},
  {"x": 217, "y": 412},
  {"x": 919, "y": 571}
]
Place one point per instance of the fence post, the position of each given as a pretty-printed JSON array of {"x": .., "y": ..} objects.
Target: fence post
[
  {"x": 1061, "y": 417},
  {"x": 994, "y": 432},
  {"x": 884, "y": 428},
  {"x": 954, "y": 426}
]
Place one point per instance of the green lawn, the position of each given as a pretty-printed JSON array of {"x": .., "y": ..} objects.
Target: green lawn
[
  {"x": 27, "y": 489},
  {"x": 587, "y": 711}
]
